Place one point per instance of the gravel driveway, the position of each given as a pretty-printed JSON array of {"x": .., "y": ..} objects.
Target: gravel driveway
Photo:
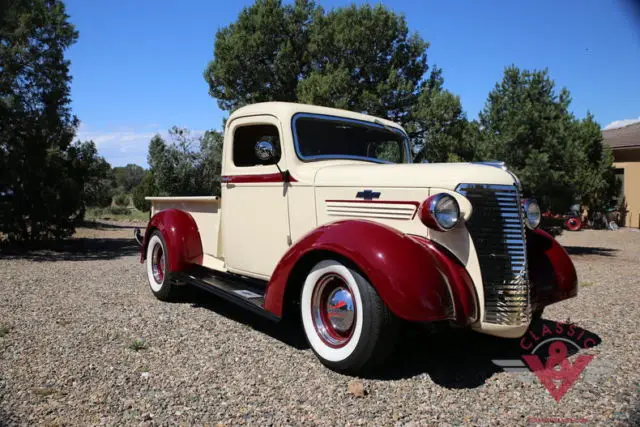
[{"x": 83, "y": 342}]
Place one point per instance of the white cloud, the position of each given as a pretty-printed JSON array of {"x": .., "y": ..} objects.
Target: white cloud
[
  {"x": 621, "y": 123},
  {"x": 120, "y": 148}
]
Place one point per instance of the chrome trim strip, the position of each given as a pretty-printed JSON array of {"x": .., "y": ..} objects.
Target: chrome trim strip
[
  {"x": 371, "y": 210},
  {"x": 296, "y": 144}
]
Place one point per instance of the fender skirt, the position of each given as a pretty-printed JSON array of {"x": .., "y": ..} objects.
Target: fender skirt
[
  {"x": 181, "y": 236},
  {"x": 418, "y": 280},
  {"x": 551, "y": 271}
]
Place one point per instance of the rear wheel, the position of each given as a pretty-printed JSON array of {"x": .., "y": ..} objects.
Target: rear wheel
[
  {"x": 159, "y": 278},
  {"x": 348, "y": 326}
]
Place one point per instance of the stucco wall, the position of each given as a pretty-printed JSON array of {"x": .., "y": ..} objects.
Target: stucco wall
[{"x": 629, "y": 160}]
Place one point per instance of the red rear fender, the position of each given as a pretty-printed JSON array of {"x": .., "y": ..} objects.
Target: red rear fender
[{"x": 181, "y": 236}]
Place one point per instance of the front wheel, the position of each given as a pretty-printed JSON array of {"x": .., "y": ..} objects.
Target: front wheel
[{"x": 348, "y": 326}]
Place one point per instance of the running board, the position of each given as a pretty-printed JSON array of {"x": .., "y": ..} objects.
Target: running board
[{"x": 249, "y": 293}]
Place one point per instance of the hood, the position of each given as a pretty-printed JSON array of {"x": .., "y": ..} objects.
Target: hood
[{"x": 440, "y": 175}]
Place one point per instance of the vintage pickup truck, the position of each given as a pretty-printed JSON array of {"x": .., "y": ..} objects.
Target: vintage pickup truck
[{"x": 324, "y": 219}]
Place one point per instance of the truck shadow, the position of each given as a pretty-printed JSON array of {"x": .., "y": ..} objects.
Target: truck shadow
[
  {"x": 634, "y": 414},
  {"x": 464, "y": 359},
  {"x": 452, "y": 358},
  {"x": 6, "y": 419},
  {"x": 289, "y": 333},
  {"x": 97, "y": 224},
  {"x": 588, "y": 250},
  {"x": 77, "y": 249}
]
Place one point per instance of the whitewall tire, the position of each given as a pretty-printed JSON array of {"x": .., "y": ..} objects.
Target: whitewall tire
[
  {"x": 159, "y": 278},
  {"x": 347, "y": 325}
]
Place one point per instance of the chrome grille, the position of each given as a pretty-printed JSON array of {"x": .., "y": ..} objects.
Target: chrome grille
[{"x": 497, "y": 230}]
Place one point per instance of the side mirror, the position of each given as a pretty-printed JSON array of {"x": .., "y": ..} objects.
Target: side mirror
[{"x": 265, "y": 151}]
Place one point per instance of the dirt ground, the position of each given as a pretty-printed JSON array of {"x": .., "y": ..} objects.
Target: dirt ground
[{"x": 84, "y": 342}]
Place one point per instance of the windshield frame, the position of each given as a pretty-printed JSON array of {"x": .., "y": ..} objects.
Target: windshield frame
[{"x": 328, "y": 117}]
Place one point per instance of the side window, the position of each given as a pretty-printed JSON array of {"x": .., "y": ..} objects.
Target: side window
[{"x": 245, "y": 139}]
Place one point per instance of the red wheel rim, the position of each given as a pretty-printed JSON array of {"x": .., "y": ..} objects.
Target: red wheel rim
[
  {"x": 157, "y": 263},
  {"x": 573, "y": 224},
  {"x": 333, "y": 310}
]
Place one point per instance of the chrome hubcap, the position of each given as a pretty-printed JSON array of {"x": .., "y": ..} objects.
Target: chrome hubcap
[
  {"x": 333, "y": 310},
  {"x": 157, "y": 263},
  {"x": 340, "y": 310}
]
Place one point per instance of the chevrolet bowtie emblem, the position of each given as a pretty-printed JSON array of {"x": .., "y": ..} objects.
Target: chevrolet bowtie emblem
[{"x": 368, "y": 195}]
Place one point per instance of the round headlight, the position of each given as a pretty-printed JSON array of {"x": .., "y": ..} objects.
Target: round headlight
[
  {"x": 532, "y": 215},
  {"x": 440, "y": 212}
]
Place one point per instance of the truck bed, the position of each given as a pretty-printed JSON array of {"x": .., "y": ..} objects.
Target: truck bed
[{"x": 206, "y": 213}]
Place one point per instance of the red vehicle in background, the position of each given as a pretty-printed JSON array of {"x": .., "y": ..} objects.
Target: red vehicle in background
[
  {"x": 575, "y": 221},
  {"x": 570, "y": 221}
]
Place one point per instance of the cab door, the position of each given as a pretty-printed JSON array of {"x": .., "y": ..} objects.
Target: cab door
[{"x": 255, "y": 217}]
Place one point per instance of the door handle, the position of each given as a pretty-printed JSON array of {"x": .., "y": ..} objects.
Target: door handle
[{"x": 230, "y": 185}]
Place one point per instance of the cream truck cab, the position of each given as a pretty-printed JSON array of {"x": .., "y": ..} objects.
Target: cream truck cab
[{"x": 324, "y": 218}]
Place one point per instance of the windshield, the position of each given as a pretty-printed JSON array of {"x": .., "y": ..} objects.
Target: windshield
[{"x": 327, "y": 137}]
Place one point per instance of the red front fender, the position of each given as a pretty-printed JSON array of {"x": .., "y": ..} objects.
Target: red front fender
[
  {"x": 551, "y": 271},
  {"x": 181, "y": 236},
  {"x": 416, "y": 279}
]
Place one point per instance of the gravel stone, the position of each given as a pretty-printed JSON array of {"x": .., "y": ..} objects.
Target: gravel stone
[
  {"x": 356, "y": 387},
  {"x": 69, "y": 316}
]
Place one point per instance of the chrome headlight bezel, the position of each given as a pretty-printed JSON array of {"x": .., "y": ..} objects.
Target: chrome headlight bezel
[{"x": 532, "y": 213}]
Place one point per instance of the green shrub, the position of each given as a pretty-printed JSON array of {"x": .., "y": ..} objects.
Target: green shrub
[
  {"x": 121, "y": 200},
  {"x": 119, "y": 210},
  {"x": 142, "y": 190},
  {"x": 95, "y": 212},
  {"x": 137, "y": 345}
]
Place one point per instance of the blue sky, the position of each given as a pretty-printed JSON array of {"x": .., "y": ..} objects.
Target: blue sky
[{"x": 137, "y": 67}]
